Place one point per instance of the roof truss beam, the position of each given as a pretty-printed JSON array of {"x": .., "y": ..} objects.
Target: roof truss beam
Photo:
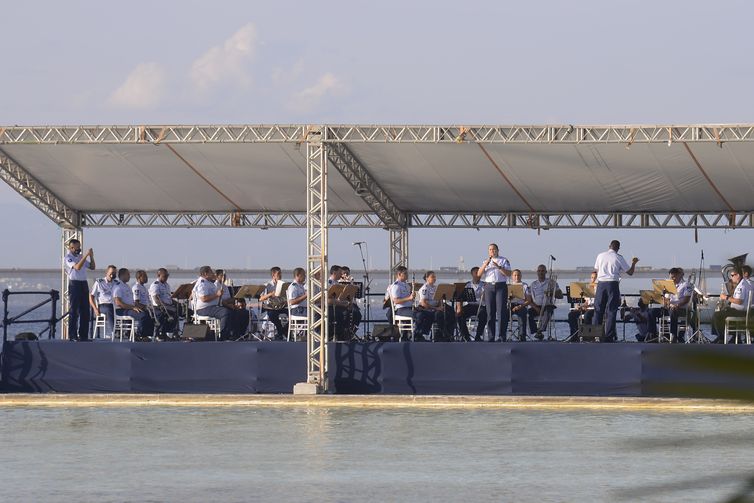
[
  {"x": 365, "y": 186},
  {"x": 297, "y": 133},
  {"x": 37, "y": 194},
  {"x": 368, "y": 220}
]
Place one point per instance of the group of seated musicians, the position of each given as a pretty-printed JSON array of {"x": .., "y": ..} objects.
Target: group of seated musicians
[
  {"x": 534, "y": 307},
  {"x": 151, "y": 309}
]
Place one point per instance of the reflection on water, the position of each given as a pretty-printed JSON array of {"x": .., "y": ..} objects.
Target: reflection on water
[{"x": 241, "y": 454}]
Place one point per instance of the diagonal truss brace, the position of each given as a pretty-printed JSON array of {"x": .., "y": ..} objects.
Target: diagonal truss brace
[
  {"x": 365, "y": 186},
  {"x": 37, "y": 194}
]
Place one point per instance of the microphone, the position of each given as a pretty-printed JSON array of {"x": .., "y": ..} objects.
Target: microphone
[
  {"x": 553, "y": 258},
  {"x": 358, "y": 243}
]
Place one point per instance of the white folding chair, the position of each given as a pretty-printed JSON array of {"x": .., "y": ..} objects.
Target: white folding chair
[
  {"x": 739, "y": 325},
  {"x": 212, "y": 323},
  {"x": 405, "y": 324},
  {"x": 296, "y": 325},
  {"x": 100, "y": 322},
  {"x": 124, "y": 325}
]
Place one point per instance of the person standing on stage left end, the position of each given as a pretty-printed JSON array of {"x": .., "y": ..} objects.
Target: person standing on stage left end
[{"x": 76, "y": 265}]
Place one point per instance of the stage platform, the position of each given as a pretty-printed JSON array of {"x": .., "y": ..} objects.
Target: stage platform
[{"x": 532, "y": 368}]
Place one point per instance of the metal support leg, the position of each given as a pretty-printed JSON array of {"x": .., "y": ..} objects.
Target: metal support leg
[
  {"x": 316, "y": 264},
  {"x": 398, "y": 249},
  {"x": 65, "y": 301}
]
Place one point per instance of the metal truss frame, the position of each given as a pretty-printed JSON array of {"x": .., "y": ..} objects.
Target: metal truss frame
[
  {"x": 316, "y": 259},
  {"x": 297, "y": 133},
  {"x": 37, "y": 194},
  {"x": 544, "y": 221},
  {"x": 209, "y": 219},
  {"x": 398, "y": 249},
  {"x": 65, "y": 301},
  {"x": 365, "y": 186},
  {"x": 448, "y": 220}
]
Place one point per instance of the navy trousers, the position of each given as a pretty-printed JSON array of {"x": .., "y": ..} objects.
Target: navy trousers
[
  {"x": 606, "y": 304},
  {"x": 78, "y": 316},
  {"x": 496, "y": 303}
]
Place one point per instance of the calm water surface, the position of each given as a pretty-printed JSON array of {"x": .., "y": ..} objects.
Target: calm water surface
[{"x": 248, "y": 454}]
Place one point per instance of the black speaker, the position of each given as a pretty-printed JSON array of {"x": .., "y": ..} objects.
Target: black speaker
[
  {"x": 384, "y": 332},
  {"x": 592, "y": 333},
  {"x": 196, "y": 332}
]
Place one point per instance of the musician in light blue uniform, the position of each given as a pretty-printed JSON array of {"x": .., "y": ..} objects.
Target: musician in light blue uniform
[
  {"x": 494, "y": 272},
  {"x": 402, "y": 296},
  {"x": 207, "y": 300},
  {"x": 676, "y": 304},
  {"x": 432, "y": 310},
  {"x": 270, "y": 295},
  {"x": 125, "y": 305},
  {"x": 76, "y": 265},
  {"x": 165, "y": 311},
  {"x": 101, "y": 298},
  {"x": 296, "y": 293}
]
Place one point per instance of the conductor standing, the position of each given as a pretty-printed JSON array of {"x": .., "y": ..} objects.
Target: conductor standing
[
  {"x": 76, "y": 265},
  {"x": 609, "y": 266}
]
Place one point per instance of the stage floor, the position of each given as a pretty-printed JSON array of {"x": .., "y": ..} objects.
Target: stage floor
[{"x": 531, "y": 368}]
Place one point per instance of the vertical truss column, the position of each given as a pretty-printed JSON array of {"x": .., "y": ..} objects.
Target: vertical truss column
[
  {"x": 398, "y": 249},
  {"x": 316, "y": 263},
  {"x": 65, "y": 301}
]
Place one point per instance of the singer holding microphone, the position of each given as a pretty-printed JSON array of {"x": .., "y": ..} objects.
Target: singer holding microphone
[
  {"x": 494, "y": 272},
  {"x": 609, "y": 266}
]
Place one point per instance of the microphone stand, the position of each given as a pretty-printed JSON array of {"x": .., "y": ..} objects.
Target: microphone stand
[{"x": 367, "y": 303}]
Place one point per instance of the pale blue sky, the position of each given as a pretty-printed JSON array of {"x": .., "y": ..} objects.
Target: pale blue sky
[{"x": 370, "y": 62}]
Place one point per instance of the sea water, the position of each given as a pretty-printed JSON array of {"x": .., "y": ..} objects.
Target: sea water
[{"x": 352, "y": 454}]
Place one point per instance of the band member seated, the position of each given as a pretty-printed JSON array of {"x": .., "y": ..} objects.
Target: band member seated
[
  {"x": 675, "y": 305},
  {"x": 585, "y": 308},
  {"x": 737, "y": 307},
  {"x": 273, "y": 304},
  {"x": 125, "y": 305},
  {"x": 165, "y": 310},
  {"x": 239, "y": 316},
  {"x": 336, "y": 308},
  {"x": 353, "y": 313},
  {"x": 543, "y": 292},
  {"x": 402, "y": 296},
  {"x": 139, "y": 291},
  {"x": 207, "y": 297},
  {"x": 101, "y": 298},
  {"x": 746, "y": 273},
  {"x": 640, "y": 316},
  {"x": 469, "y": 309},
  {"x": 519, "y": 308},
  {"x": 297, "y": 294},
  {"x": 432, "y": 310}
]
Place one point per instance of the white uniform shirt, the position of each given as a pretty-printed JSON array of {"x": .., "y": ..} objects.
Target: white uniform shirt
[
  {"x": 609, "y": 266},
  {"x": 102, "y": 290},
  {"x": 123, "y": 292},
  {"x": 478, "y": 289},
  {"x": 537, "y": 289},
  {"x": 742, "y": 292},
  {"x": 202, "y": 288},
  {"x": 492, "y": 274},
  {"x": 140, "y": 293},
  {"x": 527, "y": 291},
  {"x": 427, "y": 293},
  {"x": 295, "y": 290},
  {"x": 400, "y": 290},
  {"x": 70, "y": 261},
  {"x": 161, "y": 290},
  {"x": 226, "y": 291},
  {"x": 684, "y": 290}
]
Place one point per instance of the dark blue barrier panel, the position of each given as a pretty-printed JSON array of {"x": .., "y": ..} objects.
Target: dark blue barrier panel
[
  {"x": 576, "y": 369},
  {"x": 405, "y": 368},
  {"x": 43, "y": 366},
  {"x": 421, "y": 368}
]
